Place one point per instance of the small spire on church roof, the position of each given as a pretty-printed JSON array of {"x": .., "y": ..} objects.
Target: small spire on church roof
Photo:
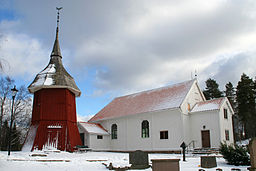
[{"x": 56, "y": 46}]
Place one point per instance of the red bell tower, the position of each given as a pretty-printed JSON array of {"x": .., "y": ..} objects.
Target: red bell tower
[{"x": 54, "y": 123}]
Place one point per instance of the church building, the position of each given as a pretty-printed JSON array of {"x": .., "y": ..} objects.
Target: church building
[{"x": 160, "y": 120}]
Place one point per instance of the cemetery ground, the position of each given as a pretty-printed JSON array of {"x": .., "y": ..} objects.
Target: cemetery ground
[{"x": 92, "y": 161}]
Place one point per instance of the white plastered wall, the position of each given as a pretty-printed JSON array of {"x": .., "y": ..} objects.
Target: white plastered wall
[
  {"x": 194, "y": 95},
  {"x": 99, "y": 144},
  {"x": 206, "y": 120},
  {"x": 226, "y": 124},
  {"x": 129, "y": 131},
  {"x": 92, "y": 142}
]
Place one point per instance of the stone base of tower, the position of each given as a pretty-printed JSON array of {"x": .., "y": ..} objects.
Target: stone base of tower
[{"x": 61, "y": 135}]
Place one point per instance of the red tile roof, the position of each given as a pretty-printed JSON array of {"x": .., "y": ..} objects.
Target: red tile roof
[
  {"x": 213, "y": 104},
  {"x": 146, "y": 101}
]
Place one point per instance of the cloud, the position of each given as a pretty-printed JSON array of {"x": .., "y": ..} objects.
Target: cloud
[
  {"x": 81, "y": 118},
  {"x": 154, "y": 48},
  {"x": 21, "y": 54},
  {"x": 136, "y": 45},
  {"x": 231, "y": 68}
]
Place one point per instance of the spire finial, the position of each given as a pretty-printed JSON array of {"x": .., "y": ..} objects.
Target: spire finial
[
  {"x": 58, "y": 19},
  {"x": 56, "y": 46},
  {"x": 58, "y": 15}
]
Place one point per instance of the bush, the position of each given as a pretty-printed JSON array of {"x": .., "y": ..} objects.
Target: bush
[{"x": 235, "y": 155}]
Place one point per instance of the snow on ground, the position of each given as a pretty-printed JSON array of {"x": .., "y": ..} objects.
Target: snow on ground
[{"x": 65, "y": 161}]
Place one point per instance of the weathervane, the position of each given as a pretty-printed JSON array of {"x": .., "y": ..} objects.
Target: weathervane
[{"x": 58, "y": 16}]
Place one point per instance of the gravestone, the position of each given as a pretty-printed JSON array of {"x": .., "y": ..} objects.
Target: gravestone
[
  {"x": 165, "y": 165},
  {"x": 208, "y": 161},
  {"x": 252, "y": 149},
  {"x": 138, "y": 160}
]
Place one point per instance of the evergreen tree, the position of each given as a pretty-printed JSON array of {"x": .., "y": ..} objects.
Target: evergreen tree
[
  {"x": 212, "y": 89},
  {"x": 230, "y": 94},
  {"x": 245, "y": 97}
]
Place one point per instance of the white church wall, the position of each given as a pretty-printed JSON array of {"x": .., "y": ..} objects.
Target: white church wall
[
  {"x": 129, "y": 131},
  {"x": 118, "y": 144},
  {"x": 133, "y": 131},
  {"x": 206, "y": 120},
  {"x": 171, "y": 121},
  {"x": 186, "y": 128},
  {"x": 226, "y": 123},
  {"x": 194, "y": 95},
  {"x": 99, "y": 144}
]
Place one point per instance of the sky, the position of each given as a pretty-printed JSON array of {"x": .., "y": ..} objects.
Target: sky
[{"x": 113, "y": 48}]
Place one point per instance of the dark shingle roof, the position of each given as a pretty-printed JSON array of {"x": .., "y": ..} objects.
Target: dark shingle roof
[{"x": 54, "y": 75}]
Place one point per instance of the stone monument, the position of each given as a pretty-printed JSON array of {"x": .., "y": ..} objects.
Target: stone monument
[
  {"x": 208, "y": 161},
  {"x": 138, "y": 159}
]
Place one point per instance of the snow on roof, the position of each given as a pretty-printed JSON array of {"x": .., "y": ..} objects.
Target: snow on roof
[
  {"x": 45, "y": 76},
  {"x": 146, "y": 101},
  {"x": 213, "y": 104},
  {"x": 93, "y": 128},
  {"x": 54, "y": 75}
]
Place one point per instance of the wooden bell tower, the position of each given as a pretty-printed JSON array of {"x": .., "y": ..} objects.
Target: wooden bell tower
[{"x": 54, "y": 122}]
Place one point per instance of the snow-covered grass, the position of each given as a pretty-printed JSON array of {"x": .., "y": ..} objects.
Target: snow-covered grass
[{"x": 90, "y": 161}]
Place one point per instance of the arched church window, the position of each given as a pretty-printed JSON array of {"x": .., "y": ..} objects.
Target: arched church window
[
  {"x": 114, "y": 131},
  {"x": 145, "y": 129}
]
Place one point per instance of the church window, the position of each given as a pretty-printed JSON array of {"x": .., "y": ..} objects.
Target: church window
[
  {"x": 227, "y": 135},
  {"x": 99, "y": 137},
  {"x": 225, "y": 113},
  {"x": 163, "y": 134},
  {"x": 145, "y": 129},
  {"x": 114, "y": 131}
]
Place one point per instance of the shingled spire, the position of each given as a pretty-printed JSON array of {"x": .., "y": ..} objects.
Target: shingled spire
[
  {"x": 54, "y": 75},
  {"x": 56, "y": 46}
]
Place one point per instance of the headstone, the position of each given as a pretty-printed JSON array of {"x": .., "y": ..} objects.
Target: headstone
[
  {"x": 252, "y": 149},
  {"x": 138, "y": 160},
  {"x": 165, "y": 164},
  {"x": 208, "y": 161}
]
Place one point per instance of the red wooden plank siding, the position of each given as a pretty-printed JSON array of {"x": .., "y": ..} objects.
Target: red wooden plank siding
[{"x": 54, "y": 111}]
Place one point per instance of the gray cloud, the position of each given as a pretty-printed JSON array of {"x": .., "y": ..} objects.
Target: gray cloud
[
  {"x": 231, "y": 69},
  {"x": 135, "y": 45}
]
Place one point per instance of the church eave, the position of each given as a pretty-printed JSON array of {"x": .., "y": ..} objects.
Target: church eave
[{"x": 33, "y": 89}]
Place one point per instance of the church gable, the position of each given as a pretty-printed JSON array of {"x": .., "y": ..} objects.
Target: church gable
[{"x": 193, "y": 96}]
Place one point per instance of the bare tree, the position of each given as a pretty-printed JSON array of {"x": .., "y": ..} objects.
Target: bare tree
[
  {"x": 5, "y": 89},
  {"x": 21, "y": 110}
]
